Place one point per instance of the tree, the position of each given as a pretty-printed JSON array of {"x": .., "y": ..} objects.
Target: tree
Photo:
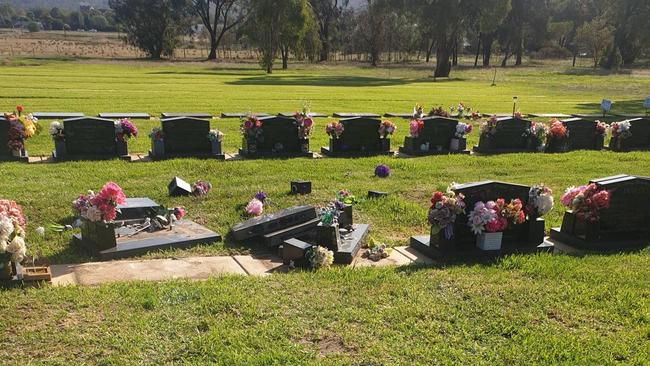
[
  {"x": 371, "y": 28},
  {"x": 630, "y": 20},
  {"x": 277, "y": 25},
  {"x": 327, "y": 13},
  {"x": 595, "y": 36},
  {"x": 33, "y": 27},
  {"x": 154, "y": 26},
  {"x": 218, "y": 17},
  {"x": 486, "y": 17}
]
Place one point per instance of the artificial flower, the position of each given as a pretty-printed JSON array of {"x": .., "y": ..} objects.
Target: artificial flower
[
  {"x": 382, "y": 171},
  {"x": 255, "y": 207}
]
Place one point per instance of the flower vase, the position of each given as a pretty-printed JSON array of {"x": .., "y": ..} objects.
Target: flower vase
[
  {"x": 600, "y": 142},
  {"x": 454, "y": 145},
  {"x": 250, "y": 146},
  {"x": 385, "y": 144},
  {"x": 122, "y": 149},
  {"x": 158, "y": 147},
  {"x": 304, "y": 145},
  {"x": 216, "y": 147},
  {"x": 100, "y": 235},
  {"x": 7, "y": 271},
  {"x": 18, "y": 153},
  {"x": 60, "y": 149},
  {"x": 489, "y": 241}
]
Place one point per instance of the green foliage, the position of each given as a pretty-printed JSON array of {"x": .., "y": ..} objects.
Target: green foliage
[{"x": 33, "y": 27}]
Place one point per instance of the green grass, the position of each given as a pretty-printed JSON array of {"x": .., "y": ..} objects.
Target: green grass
[{"x": 519, "y": 310}]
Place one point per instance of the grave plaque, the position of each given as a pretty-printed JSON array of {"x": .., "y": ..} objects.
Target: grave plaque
[
  {"x": 638, "y": 140},
  {"x": 435, "y": 138},
  {"x": 267, "y": 224},
  {"x": 294, "y": 250},
  {"x": 279, "y": 138},
  {"x": 518, "y": 238},
  {"x": 510, "y": 136},
  {"x": 583, "y": 135},
  {"x": 178, "y": 187},
  {"x": 300, "y": 187},
  {"x": 136, "y": 208},
  {"x": 88, "y": 137},
  {"x": 626, "y": 223},
  {"x": 360, "y": 137}
]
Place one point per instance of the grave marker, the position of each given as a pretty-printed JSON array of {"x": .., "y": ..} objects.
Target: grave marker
[
  {"x": 186, "y": 137},
  {"x": 360, "y": 137},
  {"x": 89, "y": 138},
  {"x": 509, "y": 137},
  {"x": 639, "y": 138},
  {"x": 435, "y": 138},
  {"x": 582, "y": 135},
  {"x": 279, "y": 138}
]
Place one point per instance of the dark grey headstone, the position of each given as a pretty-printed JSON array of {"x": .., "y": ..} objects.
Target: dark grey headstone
[
  {"x": 90, "y": 136},
  {"x": 136, "y": 208},
  {"x": 438, "y": 131},
  {"x": 628, "y": 216},
  {"x": 4, "y": 135},
  {"x": 271, "y": 223},
  {"x": 178, "y": 187},
  {"x": 510, "y": 133},
  {"x": 186, "y": 135},
  {"x": 582, "y": 134},
  {"x": 294, "y": 250},
  {"x": 360, "y": 136},
  {"x": 279, "y": 131}
]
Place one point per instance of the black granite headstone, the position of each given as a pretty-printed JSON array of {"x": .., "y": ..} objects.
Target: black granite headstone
[
  {"x": 186, "y": 135},
  {"x": 435, "y": 138},
  {"x": 136, "y": 208},
  {"x": 279, "y": 138},
  {"x": 89, "y": 137},
  {"x": 639, "y": 139},
  {"x": 294, "y": 250},
  {"x": 300, "y": 187},
  {"x": 582, "y": 134},
  {"x": 178, "y": 187},
  {"x": 5, "y": 153},
  {"x": 267, "y": 224},
  {"x": 510, "y": 136},
  {"x": 360, "y": 137}
]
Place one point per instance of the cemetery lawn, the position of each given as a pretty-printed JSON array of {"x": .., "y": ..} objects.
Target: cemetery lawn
[{"x": 538, "y": 309}]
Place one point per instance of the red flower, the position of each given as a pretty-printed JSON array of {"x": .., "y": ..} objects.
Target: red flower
[
  {"x": 437, "y": 197},
  {"x": 20, "y": 108}
]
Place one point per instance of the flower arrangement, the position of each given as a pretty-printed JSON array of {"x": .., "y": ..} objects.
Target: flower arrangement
[
  {"x": 320, "y": 257},
  {"x": 335, "y": 129},
  {"x": 101, "y": 206},
  {"x": 382, "y": 171},
  {"x": 462, "y": 109},
  {"x": 56, "y": 131},
  {"x": 201, "y": 188},
  {"x": 179, "y": 213},
  {"x": 251, "y": 128},
  {"x": 376, "y": 252},
  {"x": 255, "y": 208},
  {"x": 475, "y": 115},
  {"x": 386, "y": 129},
  {"x": 489, "y": 127},
  {"x": 416, "y": 127},
  {"x": 304, "y": 122},
  {"x": 601, "y": 128},
  {"x": 345, "y": 197},
  {"x": 215, "y": 136},
  {"x": 518, "y": 115},
  {"x": 329, "y": 215},
  {"x": 157, "y": 134},
  {"x": 513, "y": 211},
  {"x": 125, "y": 129},
  {"x": 586, "y": 201},
  {"x": 463, "y": 129},
  {"x": 12, "y": 232},
  {"x": 487, "y": 217},
  {"x": 445, "y": 207},
  {"x": 537, "y": 133},
  {"x": 418, "y": 111},
  {"x": 621, "y": 129},
  {"x": 438, "y": 111},
  {"x": 21, "y": 127},
  {"x": 540, "y": 200},
  {"x": 557, "y": 131}
]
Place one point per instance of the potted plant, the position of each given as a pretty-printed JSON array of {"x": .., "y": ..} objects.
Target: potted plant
[
  {"x": 124, "y": 130},
  {"x": 12, "y": 238},
  {"x": 251, "y": 129},
  {"x": 97, "y": 213},
  {"x": 216, "y": 138},
  {"x": 21, "y": 127},
  {"x": 58, "y": 136},
  {"x": 557, "y": 137},
  {"x": 459, "y": 141},
  {"x": 157, "y": 137}
]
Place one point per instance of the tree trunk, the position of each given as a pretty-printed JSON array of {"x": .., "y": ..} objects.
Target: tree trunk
[
  {"x": 324, "y": 38},
  {"x": 285, "y": 57},
  {"x": 519, "y": 52},
  {"x": 443, "y": 64},
  {"x": 430, "y": 50},
  {"x": 454, "y": 58},
  {"x": 488, "y": 41},
  {"x": 478, "y": 51},
  {"x": 575, "y": 56},
  {"x": 213, "y": 48}
]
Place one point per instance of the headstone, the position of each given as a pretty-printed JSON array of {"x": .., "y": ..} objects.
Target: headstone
[
  {"x": 519, "y": 238},
  {"x": 300, "y": 187},
  {"x": 582, "y": 134},
  {"x": 360, "y": 137},
  {"x": 294, "y": 250},
  {"x": 89, "y": 138},
  {"x": 626, "y": 223},
  {"x": 136, "y": 208},
  {"x": 187, "y": 137},
  {"x": 121, "y": 115},
  {"x": 435, "y": 138},
  {"x": 355, "y": 115},
  {"x": 178, "y": 187},
  {"x": 5, "y": 153},
  {"x": 188, "y": 114},
  {"x": 57, "y": 115},
  {"x": 510, "y": 136},
  {"x": 243, "y": 115},
  {"x": 267, "y": 224},
  {"x": 279, "y": 138},
  {"x": 639, "y": 138}
]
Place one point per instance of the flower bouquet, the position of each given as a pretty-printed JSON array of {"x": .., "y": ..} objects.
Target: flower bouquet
[
  {"x": 415, "y": 128},
  {"x": 445, "y": 207},
  {"x": 461, "y": 110},
  {"x": 157, "y": 137},
  {"x": 124, "y": 130},
  {"x": 21, "y": 127},
  {"x": 438, "y": 111},
  {"x": 97, "y": 213},
  {"x": 386, "y": 129},
  {"x": 458, "y": 142},
  {"x": 343, "y": 202},
  {"x": 382, "y": 171},
  {"x": 251, "y": 129},
  {"x": 540, "y": 201},
  {"x": 489, "y": 220},
  {"x": 216, "y": 138},
  {"x": 304, "y": 123},
  {"x": 12, "y": 238},
  {"x": 489, "y": 127},
  {"x": 335, "y": 129},
  {"x": 320, "y": 257},
  {"x": 58, "y": 136},
  {"x": 536, "y": 136},
  {"x": 621, "y": 131},
  {"x": 255, "y": 207},
  {"x": 557, "y": 137},
  {"x": 201, "y": 188},
  {"x": 418, "y": 111},
  {"x": 586, "y": 202}
]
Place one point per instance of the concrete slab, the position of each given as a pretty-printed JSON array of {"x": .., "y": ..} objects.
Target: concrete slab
[
  {"x": 149, "y": 270},
  {"x": 415, "y": 256},
  {"x": 396, "y": 259},
  {"x": 261, "y": 265}
]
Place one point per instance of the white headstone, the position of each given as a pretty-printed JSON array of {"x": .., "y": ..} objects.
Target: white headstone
[
  {"x": 646, "y": 104},
  {"x": 606, "y": 105}
]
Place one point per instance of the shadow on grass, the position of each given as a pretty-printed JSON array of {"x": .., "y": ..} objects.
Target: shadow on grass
[
  {"x": 595, "y": 72},
  {"x": 341, "y": 81}
]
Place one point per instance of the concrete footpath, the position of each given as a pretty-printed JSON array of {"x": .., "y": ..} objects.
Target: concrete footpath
[{"x": 200, "y": 268}]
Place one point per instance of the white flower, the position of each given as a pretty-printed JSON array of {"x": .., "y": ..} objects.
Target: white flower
[
  {"x": 55, "y": 128},
  {"x": 93, "y": 214},
  {"x": 544, "y": 204},
  {"x": 17, "y": 245},
  {"x": 40, "y": 231},
  {"x": 18, "y": 257},
  {"x": 3, "y": 245},
  {"x": 6, "y": 228}
]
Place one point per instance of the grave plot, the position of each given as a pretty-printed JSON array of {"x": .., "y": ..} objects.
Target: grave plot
[
  {"x": 359, "y": 136},
  {"x": 618, "y": 217},
  {"x": 15, "y": 129},
  {"x": 297, "y": 230},
  {"x": 581, "y": 134},
  {"x": 630, "y": 135},
  {"x": 141, "y": 226},
  {"x": 505, "y": 135},
  {"x": 269, "y": 137},
  {"x": 186, "y": 137},
  {"x": 486, "y": 219},
  {"x": 88, "y": 138},
  {"x": 436, "y": 135}
]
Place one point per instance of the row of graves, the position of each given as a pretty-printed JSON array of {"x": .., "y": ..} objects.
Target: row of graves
[{"x": 468, "y": 221}]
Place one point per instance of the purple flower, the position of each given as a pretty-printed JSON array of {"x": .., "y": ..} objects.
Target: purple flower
[
  {"x": 261, "y": 196},
  {"x": 382, "y": 171}
]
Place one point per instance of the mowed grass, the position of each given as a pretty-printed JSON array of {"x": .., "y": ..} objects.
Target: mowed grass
[{"x": 539, "y": 309}]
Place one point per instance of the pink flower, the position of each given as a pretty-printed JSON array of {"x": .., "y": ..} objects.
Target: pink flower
[
  {"x": 255, "y": 207},
  {"x": 308, "y": 122},
  {"x": 179, "y": 213}
]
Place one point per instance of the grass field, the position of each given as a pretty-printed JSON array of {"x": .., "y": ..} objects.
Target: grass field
[{"x": 520, "y": 310}]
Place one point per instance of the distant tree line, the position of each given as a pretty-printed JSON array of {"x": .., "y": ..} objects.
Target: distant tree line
[{"x": 42, "y": 18}]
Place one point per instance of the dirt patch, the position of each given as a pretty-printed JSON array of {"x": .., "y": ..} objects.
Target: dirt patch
[{"x": 328, "y": 345}]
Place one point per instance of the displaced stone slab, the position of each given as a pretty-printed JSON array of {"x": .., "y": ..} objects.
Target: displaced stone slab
[
  {"x": 355, "y": 115},
  {"x": 312, "y": 115},
  {"x": 399, "y": 115},
  {"x": 147, "y": 270},
  {"x": 396, "y": 258},
  {"x": 261, "y": 265}
]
